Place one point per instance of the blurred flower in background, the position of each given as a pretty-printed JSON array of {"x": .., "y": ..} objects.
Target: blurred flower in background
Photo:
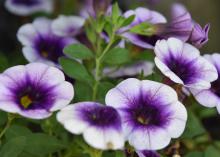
[{"x": 28, "y": 7}]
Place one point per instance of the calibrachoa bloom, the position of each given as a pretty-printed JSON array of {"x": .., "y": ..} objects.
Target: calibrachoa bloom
[
  {"x": 67, "y": 25},
  {"x": 27, "y": 7},
  {"x": 40, "y": 43},
  {"x": 131, "y": 70},
  {"x": 210, "y": 97},
  {"x": 99, "y": 124},
  {"x": 143, "y": 15},
  {"x": 150, "y": 111},
  {"x": 182, "y": 63},
  {"x": 34, "y": 90}
]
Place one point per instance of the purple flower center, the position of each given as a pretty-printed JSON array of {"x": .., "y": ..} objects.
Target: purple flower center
[
  {"x": 183, "y": 68},
  {"x": 50, "y": 48},
  {"x": 147, "y": 112},
  {"x": 26, "y": 2},
  {"x": 32, "y": 95},
  {"x": 100, "y": 116},
  {"x": 150, "y": 154}
]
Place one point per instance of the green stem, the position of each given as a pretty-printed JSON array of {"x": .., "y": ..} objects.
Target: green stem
[
  {"x": 98, "y": 71},
  {"x": 10, "y": 119}
]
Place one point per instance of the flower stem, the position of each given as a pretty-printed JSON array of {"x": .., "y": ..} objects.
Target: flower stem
[
  {"x": 98, "y": 71},
  {"x": 8, "y": 124}
]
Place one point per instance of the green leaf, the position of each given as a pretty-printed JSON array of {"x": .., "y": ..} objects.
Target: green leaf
[
  {"x": 128, "y": 21},
  {"x": 41, "y": 144},
  {"x": 194, "y": 154},
  {"x": 83, "y": 91},
  {"x": 3, "y": 118},
  {"x": 103, "y": 88},
  {"x": 13, "y": 147},
  {"x": 117, "y": 56},
  {"x": 75, "y": 70},
  {"x": 212, "y": 152},
  {"x": 119, "y": 154},
  {"x": 17, "y": 131},
  {"x": 143, "y": 29},
  {"x": 193, "y": 127},
  {"x": 78, "y": 51},
  {"x": 115, "y": 13}
]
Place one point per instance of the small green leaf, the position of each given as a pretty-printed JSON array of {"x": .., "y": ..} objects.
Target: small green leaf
[
  {"x": 13, "y": 147},
  {"x": 16, "y": 131},
  {"x": 78, "y": 51},
  {"x": 117, "y": 56},
  {"x": 115, "y": 12},
  {"x": 193, "y": 126},
  {"x": 143, "y": 29},
  {"x": 104, "y": 87},
  {"x": 194, "y": 154},
  {"x": 3, "y": 118},
  {"x": 128, "y": 21},
  {"x": 83, "y": 91},
  {"x": 41, "y": 144},
  {"x": 212, "y": 152},
  {"x": 75, "y": 70}
]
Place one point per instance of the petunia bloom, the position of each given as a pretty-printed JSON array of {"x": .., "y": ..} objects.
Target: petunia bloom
[
  {"x": 40, "y": 43},
  {"x": 67, "y": 26},
  {"x": 210, "y": 97},
  {"x": 143, "y": 15},
  {"x": 151, "y": 113},
  {"x": 182, "y": 63},
  {"x": 34, "y": 90},
  {"x": 99, "y": 124},
  {"x": 28, "y": 7}
]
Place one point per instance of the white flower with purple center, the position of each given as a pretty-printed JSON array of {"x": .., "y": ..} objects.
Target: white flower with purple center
[
  {"x": 150, "y": 111},
  {"x": 99, "y": 124},
  {"x": 182, "y": 63},
  {"x": 28, "y": 7},
  {"x": 210, "y": 97},
  {"x": 40, "y": 43},
  {"x": 67, "y": 26},
  {"x": 34, "y": 90},
  {"x": 143, "y": 15}
]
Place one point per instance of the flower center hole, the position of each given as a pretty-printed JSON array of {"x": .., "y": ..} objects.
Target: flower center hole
[{"x": 143, "y": 120}]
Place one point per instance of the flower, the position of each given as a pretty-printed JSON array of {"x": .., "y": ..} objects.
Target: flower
[
  {"x": 34, "y": 90},
  {"x": 151, "y": 113},
  {"x": 146, "y": 153},
  {"x": 131, "y": 70},
  {"x": 40, "y": 43},
  {"x": 67, "y": 26},
  {"x": 182, "y": 63},
  {"x": 99, "y": 124},
  {"x": 199, "y": 36},
  {"x": 180, "y": 26},
  {"x": 143, "y": 15},
  {"x": 210, "y": 97},
  {"x": 28, "y": 7}
]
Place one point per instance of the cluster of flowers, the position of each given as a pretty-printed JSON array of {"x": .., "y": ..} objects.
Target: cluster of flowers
[{"x": 145, "y": 113}]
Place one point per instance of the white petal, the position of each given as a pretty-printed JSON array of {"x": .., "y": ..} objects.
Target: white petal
[
  {"x": 27, "y": 34},
  {"x": 206, "y": 97},
  {"x": 159, "y": 139},
  {"x": 9, "y": 106},
  {"x": 31, "y": 54},
  {"x": 167, "y": 72},
  {"x": 43, "y": 25},
  {"x": 124, "y": 92},
  {"x": 67, "y": 25},
  {"x": 16, "y": 73},
  {"x": 69, "y": 118},
  {"x": 35, "y": 114},
  {"x": 177, "y": 120},
  {"x": 64, "y": 93},
  {"x": 175, "y": 46}
]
